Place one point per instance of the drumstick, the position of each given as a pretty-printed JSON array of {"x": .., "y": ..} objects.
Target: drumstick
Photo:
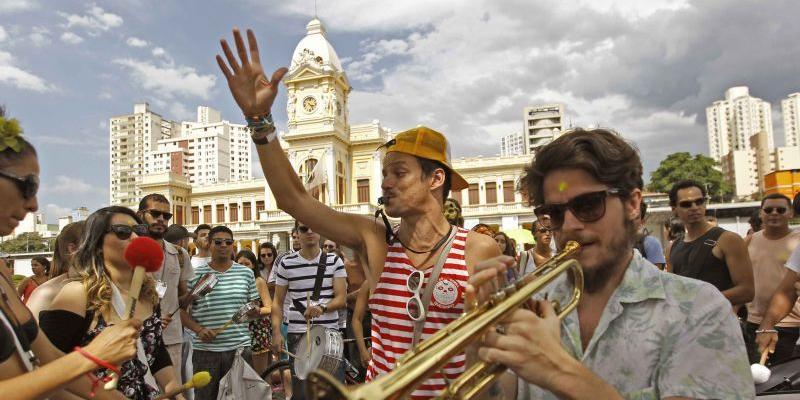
[
  {"x": 308, "y": 325},
  {"x": 223, "y": 327},
  {"x": 764, "y": 356},
  {"x": 287, "y": 352}
]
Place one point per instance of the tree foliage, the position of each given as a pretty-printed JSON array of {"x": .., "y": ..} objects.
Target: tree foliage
[
  {"x": 679, "y": 166},
  {"x": 25, "y": 243}
]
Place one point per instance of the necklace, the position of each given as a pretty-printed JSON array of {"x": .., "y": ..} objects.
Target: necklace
[{"x": 432, "y": 249}]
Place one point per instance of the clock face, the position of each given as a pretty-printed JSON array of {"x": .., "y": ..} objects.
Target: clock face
[{"x": 309, "y": 104}]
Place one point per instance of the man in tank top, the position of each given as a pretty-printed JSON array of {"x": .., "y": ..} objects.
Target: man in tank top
[
  {"x": 417, "y": 178},
  {"x": 769, "y": 250},
  {"x": 707, "y": 252}
]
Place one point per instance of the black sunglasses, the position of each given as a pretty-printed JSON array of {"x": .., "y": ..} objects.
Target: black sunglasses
[
  {"x": 124, "y": 232},
  {"x": 303, "y": 229},
  {"x": 28, "y": 185},
  {"x": 688, "y": 203},
  {"x": 266, "y": 255},
  {"x": 588, "y": 207},
  {"x": 543, "y": 230},
  {"x": 219, "y": 242},
  {"x": 156, "y": 213},
  {"x": 780, "y": 210}
]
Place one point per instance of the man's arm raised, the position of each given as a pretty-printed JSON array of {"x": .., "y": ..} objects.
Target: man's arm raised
[{"x": 255, "y": 95}]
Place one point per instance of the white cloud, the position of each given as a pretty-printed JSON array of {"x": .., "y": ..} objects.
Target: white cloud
[
  {"x": 40, "y": 36},
  {"x": 52, "y": 212},
  {"x": 158, "y": 51},
  {"x": 180, "y": 112},
  {"x": 19, "y": 78},
  {"x": 136, "y": 42},
  {"x": 64, "y": 185},
  {"x": 71, "y": 38},
  {"x": 3, "y": 34},
  {"x": 169, "y": 80},
  {"x": 373, "y": 52},
  {"x": 96, "y": 20},
  {"x": 9, "y": 6}
]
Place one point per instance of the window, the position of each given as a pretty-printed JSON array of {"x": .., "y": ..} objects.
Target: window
[
  {"x": 247, "y": 212},
  {"x": 491, "y": 192},
  {"x": 363, "y": 190},
  {"x": 207, "y": 214},
  {"x": 220, "y": 213},
  {"x": 234, "y": 212},
  {"x": 340, "y": 182},
  {"x": 179, "y": 215},
  {"x": 195, "y": 215},
  {"x": 474, "y": 196},
  {"x": 259, "y": 207},
  {"x": 508, "y": 191},
  {"x": 456, "y": 194}
]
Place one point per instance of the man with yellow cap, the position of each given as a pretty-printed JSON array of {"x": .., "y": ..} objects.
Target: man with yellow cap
[{"x": 422, "y": 266}]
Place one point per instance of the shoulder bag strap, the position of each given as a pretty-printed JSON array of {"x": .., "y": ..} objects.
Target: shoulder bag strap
[
  {"x": 322, "y": 265},
  {"x": 431, "y": 282}
]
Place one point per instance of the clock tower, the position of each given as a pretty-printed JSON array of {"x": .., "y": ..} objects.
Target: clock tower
[{"x": 318, "y": 131}]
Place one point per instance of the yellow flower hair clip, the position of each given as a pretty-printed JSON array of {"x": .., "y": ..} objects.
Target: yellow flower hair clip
[{"x": 10, "y": 134}]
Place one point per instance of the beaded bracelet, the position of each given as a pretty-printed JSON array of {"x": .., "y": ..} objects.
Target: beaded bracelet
[{"x": 766, "y": 331}]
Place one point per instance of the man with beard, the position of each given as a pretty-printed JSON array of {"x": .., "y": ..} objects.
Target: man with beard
[
  {"x": 176, "y": 270},
  {"x": 706, "y": 251},
  {"x": 636, "y": 332},
  {"x": 417, "y": 178},
  {"x": 215, "y": 348}
]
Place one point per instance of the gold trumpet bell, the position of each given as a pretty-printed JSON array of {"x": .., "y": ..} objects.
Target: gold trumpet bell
[{"x": 430, "y": 355}]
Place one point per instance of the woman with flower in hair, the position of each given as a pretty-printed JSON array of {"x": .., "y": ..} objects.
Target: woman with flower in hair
[
  {"x": 94, "y": 301},
  {"x": 30, "y": 366}
]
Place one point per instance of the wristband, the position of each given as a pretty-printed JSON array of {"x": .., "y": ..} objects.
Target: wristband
[
  {"x": 766, "y": 331},
  {"x": 99, "y": 362}
]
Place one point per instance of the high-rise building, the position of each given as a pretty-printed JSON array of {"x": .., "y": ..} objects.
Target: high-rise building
[
  {"x": 207, "y": 151},
  {"x": 133, "y": 138},
  {"x": 790, "y": 109},
  {"x": 512, "y": 145},
  {"x": 731, "y": 122},
  {"x": 542, "y": 124}
]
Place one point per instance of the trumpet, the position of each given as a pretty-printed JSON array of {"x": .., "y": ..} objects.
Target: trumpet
[{"x": 430, "y": 355}]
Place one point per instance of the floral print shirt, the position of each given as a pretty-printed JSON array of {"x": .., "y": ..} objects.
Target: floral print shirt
[{"x": 660, "y": 335}]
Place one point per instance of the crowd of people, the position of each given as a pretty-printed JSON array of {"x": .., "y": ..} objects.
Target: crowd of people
[{"x": 652, "y": 321}]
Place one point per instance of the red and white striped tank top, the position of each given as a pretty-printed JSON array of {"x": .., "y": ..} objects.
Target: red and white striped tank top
[{"x": 393, "y": 329}]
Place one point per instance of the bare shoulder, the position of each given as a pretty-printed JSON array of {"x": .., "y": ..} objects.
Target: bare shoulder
[
  {"x": 72, "y": 297},
  {"x": 479, "y": 247},
  {"x": 731, "y": 241}
]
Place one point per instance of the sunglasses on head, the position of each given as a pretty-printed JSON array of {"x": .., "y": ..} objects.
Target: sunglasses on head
[
  {"x": 124, "y": 232},
  {"x": 587, "y": 207},
  {"x": 219, "y": 242},
  {"x": 156, "y": 213},
  {"x": 28, "y": 186},
  {"x": 779, "y": 210},
  {"x": 303, "y": 229},
  {"x": 688, "y": 203}
]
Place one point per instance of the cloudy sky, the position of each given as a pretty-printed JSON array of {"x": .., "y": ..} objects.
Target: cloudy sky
[{"x": 645, "y": 68}]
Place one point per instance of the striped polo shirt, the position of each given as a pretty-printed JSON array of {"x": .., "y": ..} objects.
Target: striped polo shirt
[
  {"x": 298, "y": 275},
  {"x": 393, "y": 329},
  {"x": 236, "y": 287}
]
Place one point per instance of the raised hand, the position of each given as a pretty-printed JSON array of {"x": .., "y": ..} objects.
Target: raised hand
[{"x": 249, "y": 86}]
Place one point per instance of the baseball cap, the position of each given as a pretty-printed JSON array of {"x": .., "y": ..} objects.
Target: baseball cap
[
  {"x": 426, "y": 143},
  {"x": 177, "y": 232}
]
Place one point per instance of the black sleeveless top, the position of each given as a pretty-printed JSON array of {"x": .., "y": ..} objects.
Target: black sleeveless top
[{"x": 695, "y": 260}]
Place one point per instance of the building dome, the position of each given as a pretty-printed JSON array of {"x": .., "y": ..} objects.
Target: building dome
[{"x": 315, "y": 50}]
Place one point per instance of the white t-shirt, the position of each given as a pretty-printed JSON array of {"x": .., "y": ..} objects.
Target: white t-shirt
[
  {"x": 200, "y": 261},
  {"x": 793, "y": 263}
]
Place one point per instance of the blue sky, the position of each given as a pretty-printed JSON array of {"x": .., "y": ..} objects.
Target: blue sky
[{"x": 647, "y": 69}]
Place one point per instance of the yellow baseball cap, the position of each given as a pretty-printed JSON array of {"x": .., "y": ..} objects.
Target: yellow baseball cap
[{"x": 426, "y": 143}]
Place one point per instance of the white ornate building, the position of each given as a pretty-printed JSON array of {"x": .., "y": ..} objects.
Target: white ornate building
[{"x": 320, "y": 141}]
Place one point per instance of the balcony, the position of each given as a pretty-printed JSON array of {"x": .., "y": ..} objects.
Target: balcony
[
  {"x": 496, "y": 209},
  {"x": 280, "y": 216}
]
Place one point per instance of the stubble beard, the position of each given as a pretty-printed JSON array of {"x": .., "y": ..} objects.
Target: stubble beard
[{"x": 614, "y": 260}]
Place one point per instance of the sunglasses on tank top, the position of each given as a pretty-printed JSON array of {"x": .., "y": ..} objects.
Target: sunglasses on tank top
[{"x": 414, "y": 303}]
